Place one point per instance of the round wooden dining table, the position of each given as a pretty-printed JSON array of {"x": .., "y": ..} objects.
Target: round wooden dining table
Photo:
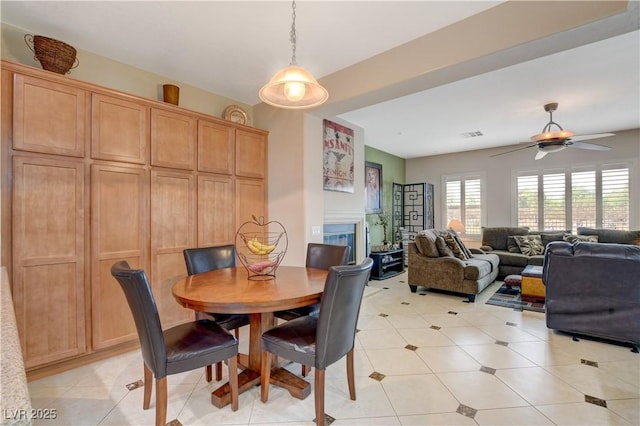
[{"x": 230, "y": 291}]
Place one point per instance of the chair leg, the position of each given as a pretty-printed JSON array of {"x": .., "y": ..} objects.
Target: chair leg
[
  {"x": 318, "y": 389},
  {"x": 218, "y": 371},
  {"x": 161, "y": 401},
  {"x": 233, "y": 381},
  {"x": 265, "y": 376},
  {"x": 351, "y": 375},
  {"x": 148, "y": 384},
  {"x": 209, "y": 373},
  {"x": 305, "y": 370}
]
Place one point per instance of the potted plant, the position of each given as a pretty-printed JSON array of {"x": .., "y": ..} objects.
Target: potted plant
[{"x": 383, "y": 219}]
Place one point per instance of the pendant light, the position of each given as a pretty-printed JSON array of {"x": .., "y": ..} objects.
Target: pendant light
[{"x": 293, "y": 87}]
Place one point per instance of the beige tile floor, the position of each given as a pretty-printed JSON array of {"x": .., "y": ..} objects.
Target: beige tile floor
[{"x": 442, "y": 362}]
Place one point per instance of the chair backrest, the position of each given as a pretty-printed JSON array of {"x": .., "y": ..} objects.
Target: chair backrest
[
  {"x": 207, "y": 259},
  {"x": 324, "y": 256},
  {"x": 135, "y": 284},
  {"x": 339, "y": 310}
]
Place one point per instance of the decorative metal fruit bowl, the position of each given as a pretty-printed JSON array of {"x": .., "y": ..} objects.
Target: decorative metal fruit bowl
[{"x": 261, "y": 247}]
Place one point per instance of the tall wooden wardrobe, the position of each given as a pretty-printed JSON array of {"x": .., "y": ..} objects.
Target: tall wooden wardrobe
[{"x": 91, "y": 176}]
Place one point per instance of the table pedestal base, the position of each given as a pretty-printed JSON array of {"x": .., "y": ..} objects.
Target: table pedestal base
[{"x": 297, "y": 387}]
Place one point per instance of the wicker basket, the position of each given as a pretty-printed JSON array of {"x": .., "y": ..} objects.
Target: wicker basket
[{"x": 53, "y": 55}]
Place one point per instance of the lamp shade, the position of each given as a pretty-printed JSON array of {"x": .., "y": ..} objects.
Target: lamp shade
[
  {"x": 456, "y": 225},
  {"x": 293, "y": 87}
]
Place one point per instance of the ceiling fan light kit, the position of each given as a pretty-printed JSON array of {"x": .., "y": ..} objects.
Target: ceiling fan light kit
[{"x": 293, "y": 87}]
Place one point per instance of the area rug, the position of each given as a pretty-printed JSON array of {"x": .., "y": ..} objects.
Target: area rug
[{"x": 510, "y": 298}]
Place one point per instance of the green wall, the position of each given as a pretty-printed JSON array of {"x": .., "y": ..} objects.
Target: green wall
[{"x": 393, "y": 170}]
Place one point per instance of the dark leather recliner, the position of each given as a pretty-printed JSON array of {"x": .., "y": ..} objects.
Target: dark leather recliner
[
  {"x": 205, "y": 259},
  {"x": 178, "y": 349},
  {"x": 593, "y": 289},
  {"x": 321, "y": 340}
]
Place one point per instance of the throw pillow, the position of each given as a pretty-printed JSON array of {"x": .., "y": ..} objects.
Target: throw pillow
[
  {"x": 530, "y": 245},
  {"x": 570, "y": 238},
  {"x": 427, "y": 246},
  {"x": 443, "y": 248},
  {"x": 454, "y": 246},
  {"x": 464, "y": 248},
  {"x": 512, "y": 246}
]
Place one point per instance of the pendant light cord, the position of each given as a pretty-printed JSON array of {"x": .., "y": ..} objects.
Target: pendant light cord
[{"x": 292, "y": 33}]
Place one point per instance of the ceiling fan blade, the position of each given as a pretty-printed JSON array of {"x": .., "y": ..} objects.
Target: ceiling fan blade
[
  {"x": 591, "y": 146},
  {"x": 587, "y": 137},
  {"x": 541, "y": 154},
  {"x": 513, "y": 150}
]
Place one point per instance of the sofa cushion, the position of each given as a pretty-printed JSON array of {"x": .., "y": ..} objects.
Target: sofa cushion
[
  {"x": 537, "y": 260},
  {"x": 443, "y": 248},
  {"x": 496, "y": 237},
  {"x": 530, "y": 245},
  {"x": 491, "y": 258},
  {"x": 426, "y": 244},
  {"x": 514, "y": 259},
  {"x": 547, "y": 238},
  {"x": 612, "y": 235},
  {"x": 464, "y": 248},
  {"x": 476, "y": 268},
  {"x": 512, "y": 246},
  {"x": 570, "y": 238}
]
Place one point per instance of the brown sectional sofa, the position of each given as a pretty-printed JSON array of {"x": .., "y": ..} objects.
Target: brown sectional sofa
[
  {"x": 499, "y": 241},
  {"x": 435, "y": 268}
]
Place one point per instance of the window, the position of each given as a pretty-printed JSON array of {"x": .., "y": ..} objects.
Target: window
[
  {"x": 592, "y": 197},
  {"x": 464, "y": 201}
]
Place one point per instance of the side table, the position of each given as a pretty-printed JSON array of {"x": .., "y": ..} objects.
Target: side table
[{"x": 387, "y": 264}]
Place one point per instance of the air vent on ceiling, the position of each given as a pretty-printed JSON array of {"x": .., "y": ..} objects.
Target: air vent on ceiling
[{"x": 472, "y": 134}]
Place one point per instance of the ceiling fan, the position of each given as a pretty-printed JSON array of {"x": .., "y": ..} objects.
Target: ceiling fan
[{"x": 553, "y": 141}]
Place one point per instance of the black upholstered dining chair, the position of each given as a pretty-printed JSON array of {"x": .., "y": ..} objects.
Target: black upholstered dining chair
[
  {"x": 319, "y": 256},
  {"x": 178, "y": 349},
  {"x": 321, "y": 340},
  {"x": 205, "y": 259}
]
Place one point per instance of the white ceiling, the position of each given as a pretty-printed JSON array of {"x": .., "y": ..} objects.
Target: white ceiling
[{"x": 232, "y": 48}]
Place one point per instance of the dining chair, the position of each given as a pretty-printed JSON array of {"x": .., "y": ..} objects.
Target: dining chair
[
  {"x": 184, "y": 347},
  {"x": 319, "y": 256},
  {"x": 323, "y": 339},
  {"x": 205, "y": 259}
]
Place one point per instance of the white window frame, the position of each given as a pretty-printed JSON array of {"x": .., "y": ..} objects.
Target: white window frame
[
  {"x": 598, "y": 168},
  {"x": 483, "y": 200}
]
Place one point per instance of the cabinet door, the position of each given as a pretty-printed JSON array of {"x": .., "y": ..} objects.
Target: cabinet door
[
  {"x": 119, "y": 129},
  {"x": 250, "y": 200},
  {"x": 215, "y": 210},
  {"x": 173, "y": 139},
  {"x": 49, "y": 117},
  {"x": 251, "y": 154},
  {"x": 172, "y": 230},
  {"x": 215, "y": 147},
  {"x": 48, "y": 258},
  {"x": 119, "y": 231}
]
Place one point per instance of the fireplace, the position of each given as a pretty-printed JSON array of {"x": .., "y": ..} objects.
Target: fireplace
[{"x": 343, "y": 234}]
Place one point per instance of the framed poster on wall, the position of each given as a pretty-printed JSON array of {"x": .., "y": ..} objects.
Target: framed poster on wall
[
  {"x": 373, "y": 187},
  {"x": 337, "y": 157}
]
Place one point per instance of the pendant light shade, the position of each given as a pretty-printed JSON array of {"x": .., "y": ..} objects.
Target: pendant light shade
[{"x": 293, "y": 87}]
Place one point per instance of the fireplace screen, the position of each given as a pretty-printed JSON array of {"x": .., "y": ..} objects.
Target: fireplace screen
[{"x": 343, "y": 234}]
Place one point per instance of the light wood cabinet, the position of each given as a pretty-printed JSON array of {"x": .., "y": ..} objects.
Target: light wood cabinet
[
  {"x": 119, "y": 230},
  {"x": 172, "y": 230},
  {"x": 49, "y": 117},
  {"x": 216, "y": 147},
  {"x": 215, "y": 218},
  {"x": 173, "y": 139},
  {"x": 91, "y": 176},
  {"x": 119, "y": 129},
  {"x": 251, "y": 154},
  {"x": 48, "y": 253}
]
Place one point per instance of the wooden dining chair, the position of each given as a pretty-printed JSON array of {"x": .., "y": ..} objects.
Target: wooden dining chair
[
  {"x": 178, "y": 349},
  {"x": 205, "y": 259},
  {"x": 323, "y": 339}
]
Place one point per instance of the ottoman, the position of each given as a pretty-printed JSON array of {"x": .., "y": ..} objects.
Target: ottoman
[{"x": 513, "y": 281}]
